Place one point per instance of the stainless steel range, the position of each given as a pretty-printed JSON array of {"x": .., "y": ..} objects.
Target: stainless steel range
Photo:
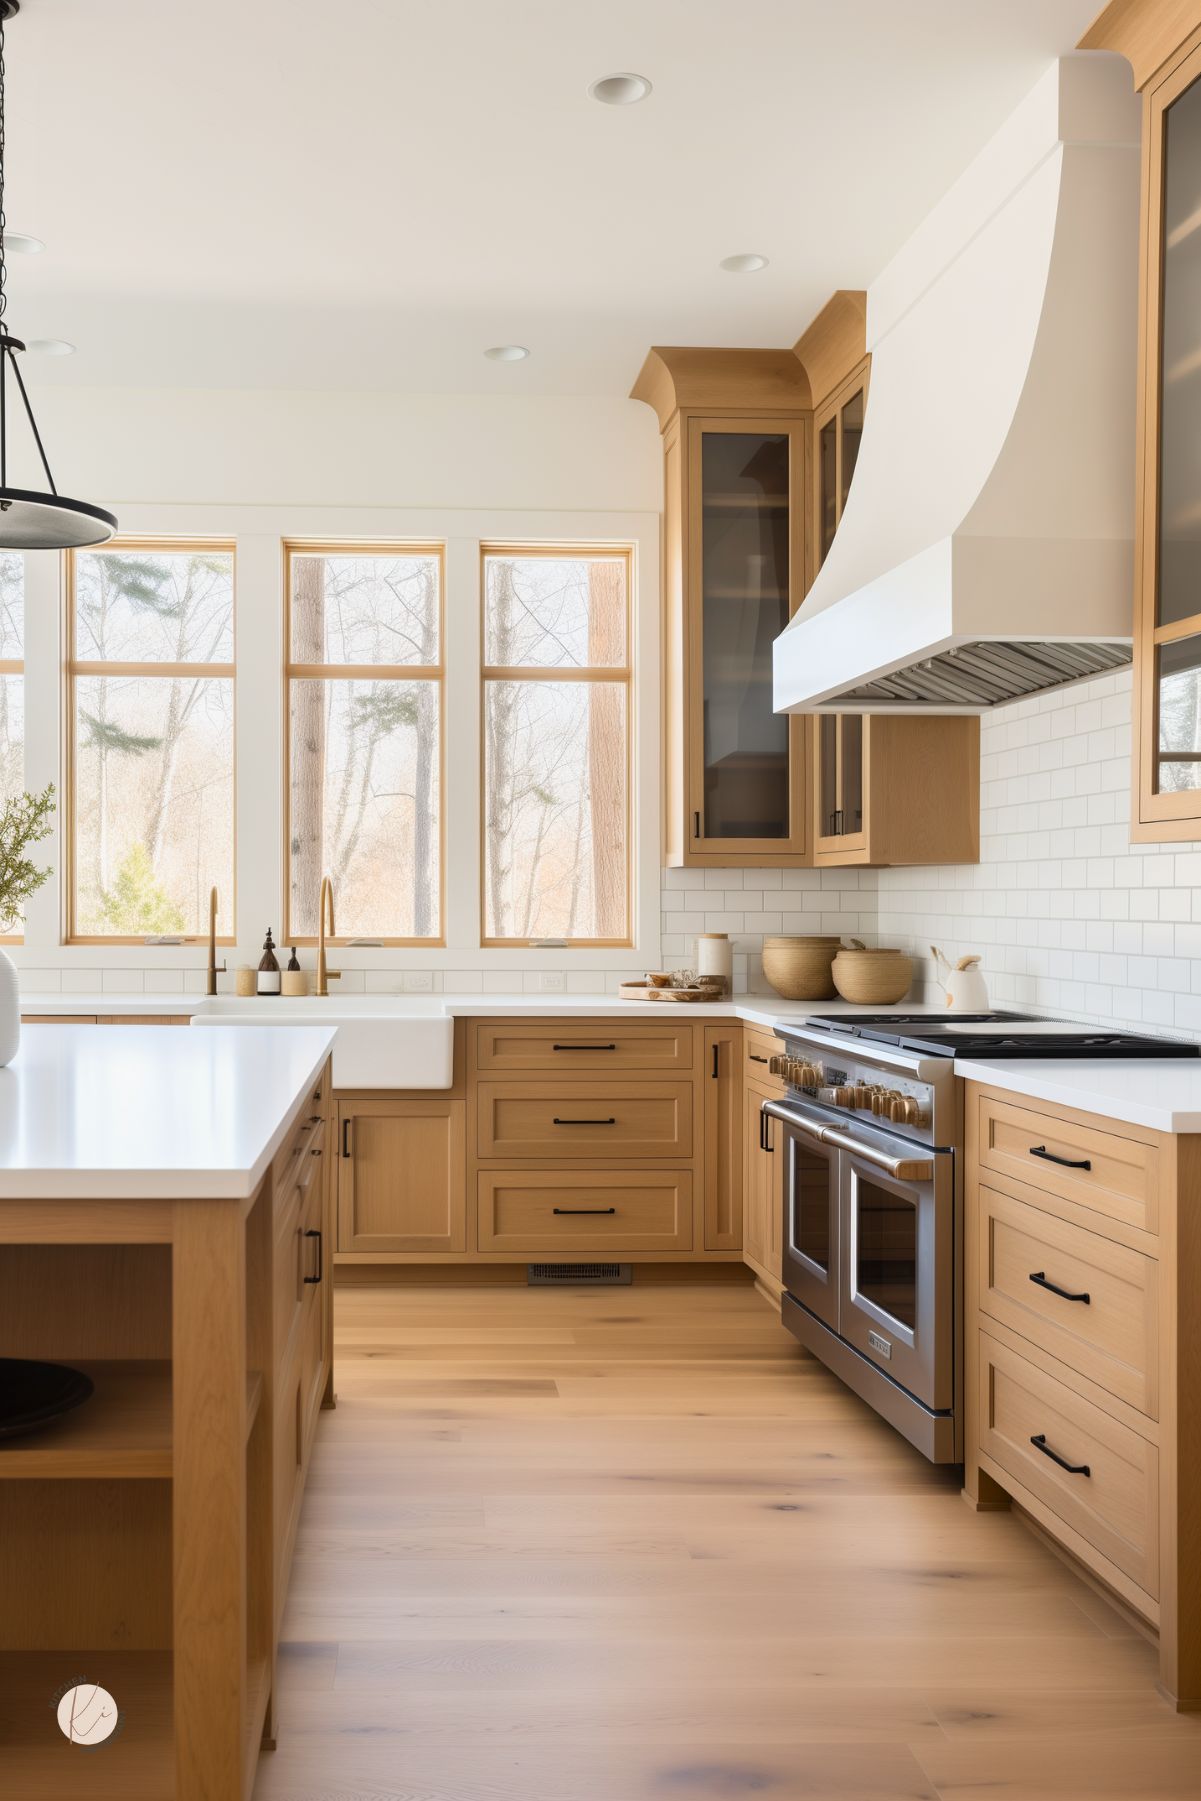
[{"x": 871, "y": 1133}]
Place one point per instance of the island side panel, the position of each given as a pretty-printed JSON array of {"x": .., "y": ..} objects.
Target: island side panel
[{"x": 209, "y": 1512}]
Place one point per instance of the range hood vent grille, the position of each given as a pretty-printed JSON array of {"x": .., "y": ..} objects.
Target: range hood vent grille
[{"x": 988, "y": 673}]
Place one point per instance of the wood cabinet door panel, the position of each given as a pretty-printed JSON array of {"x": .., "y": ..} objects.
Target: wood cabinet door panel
[
  {"x": 722, "y": 1093},
  {"x": 402, "y": 1174}
]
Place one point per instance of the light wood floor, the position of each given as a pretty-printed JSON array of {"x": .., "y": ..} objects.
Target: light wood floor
[{"x": 634, "y": 1545}]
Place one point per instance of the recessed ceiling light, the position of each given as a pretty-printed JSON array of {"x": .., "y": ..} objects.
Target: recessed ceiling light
[
  {"x": 744, "y": 264},
  {"x": 50, "y": 347},
  {"x": 620, "y": 90},
  {"x": 507, "y": 353},
  {"x": 21, "y": 244}
]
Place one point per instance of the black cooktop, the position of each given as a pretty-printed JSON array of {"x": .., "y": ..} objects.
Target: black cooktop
[{"x": 995, "y": 1035}]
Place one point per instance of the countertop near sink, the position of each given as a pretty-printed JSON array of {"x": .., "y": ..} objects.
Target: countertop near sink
[{"x": 104, "y": 1113}]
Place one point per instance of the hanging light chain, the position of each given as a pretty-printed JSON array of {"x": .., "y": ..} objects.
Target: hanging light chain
[{"x": 3, "y": 221}]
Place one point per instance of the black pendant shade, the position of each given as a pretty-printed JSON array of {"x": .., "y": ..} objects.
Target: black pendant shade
[{"x": 30, "y": 519}]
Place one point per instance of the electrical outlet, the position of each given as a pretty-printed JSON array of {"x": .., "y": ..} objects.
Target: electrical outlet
[
  {"x": 419, "y": 981},
  {"x": 552, "y": 981}
]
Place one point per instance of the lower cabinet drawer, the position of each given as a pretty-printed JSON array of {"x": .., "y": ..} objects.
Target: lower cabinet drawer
[
  {"x": 1072, "y": 1159},
  {"x": 1089, "y": 1302},
  {"x": 580, "y": 1210},
  {"x": 571, "y": 1046},
  {"x": 1109, "y": 1494},
  {"x": 635, "y": 1118}
]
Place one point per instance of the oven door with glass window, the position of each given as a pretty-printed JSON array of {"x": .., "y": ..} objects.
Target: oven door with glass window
[
  {"x": 811, "y": 1247},
  {"x": 898, "y": 1282}
]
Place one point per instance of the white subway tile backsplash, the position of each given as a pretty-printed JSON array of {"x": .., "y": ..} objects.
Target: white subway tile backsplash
[{"x": 1069, "y": 915}]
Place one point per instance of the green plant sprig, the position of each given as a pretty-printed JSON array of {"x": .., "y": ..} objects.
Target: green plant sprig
[{"x": 24, "y": 820}]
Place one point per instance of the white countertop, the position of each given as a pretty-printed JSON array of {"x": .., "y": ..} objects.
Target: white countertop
[
  {"x": 1165, "y": 1096},
  {"x": 105, "y": 1113},
  {"x": 757, "y": 1009},
  {"x": 1141, "y": 1091}
]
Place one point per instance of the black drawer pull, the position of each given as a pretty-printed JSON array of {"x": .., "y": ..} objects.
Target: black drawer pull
[
  {"x": 716, "y": 1063},
  {"x": 765, "y": 1143},
  {"x": 1040, "y": 1150},
  {"x": 320, "y": 1257},
  {"x": 583, "y": 1210},
  {"x": 1039, "y": 1441},
  {"x": 583, "y": 1047},
  {"x": 346, "y": 1138},
  {"x": 757, "y": 1059},
  {"x": 583, "y": 1122},
  {"x": 1039, "y": 1277}
]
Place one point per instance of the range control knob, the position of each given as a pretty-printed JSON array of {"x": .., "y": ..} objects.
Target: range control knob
[{"x": 779, "y": 1065}]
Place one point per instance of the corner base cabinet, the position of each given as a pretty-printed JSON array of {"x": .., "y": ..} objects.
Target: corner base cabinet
[{"x": 1083, "y": 1375}]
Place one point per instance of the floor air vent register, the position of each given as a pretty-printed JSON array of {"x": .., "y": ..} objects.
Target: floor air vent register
[{"x": 555, "y": 1275}]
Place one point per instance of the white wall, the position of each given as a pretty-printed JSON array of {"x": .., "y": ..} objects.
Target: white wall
[{"x": 1069, "y": 916}]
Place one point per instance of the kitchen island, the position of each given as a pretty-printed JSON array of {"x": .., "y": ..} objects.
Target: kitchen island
[{"x": 164, "y": 1211}]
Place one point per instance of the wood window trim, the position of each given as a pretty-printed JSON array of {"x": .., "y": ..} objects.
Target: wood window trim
[
  {"x": 383, "y": 672},
  {"x": 623, "y": 674},
  {"x": 12, "y": 666},
  {"x": 74, "y": 667}
]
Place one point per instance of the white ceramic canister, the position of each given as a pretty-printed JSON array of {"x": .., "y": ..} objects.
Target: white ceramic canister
[
  {"x": 715, "y": 958},
  {"x": 10, "y": 1009}
]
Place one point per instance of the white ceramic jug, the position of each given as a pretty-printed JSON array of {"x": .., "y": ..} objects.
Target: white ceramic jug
[{"x": 963, "y": 985}]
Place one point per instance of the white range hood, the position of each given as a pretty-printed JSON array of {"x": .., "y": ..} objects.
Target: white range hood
[{"x": 986, "y": 549}]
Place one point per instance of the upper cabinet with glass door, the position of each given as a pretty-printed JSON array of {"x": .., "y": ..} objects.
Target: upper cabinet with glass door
[
  {"x": 1164, "y": 46},
  {"x": 735, "y": 441}
]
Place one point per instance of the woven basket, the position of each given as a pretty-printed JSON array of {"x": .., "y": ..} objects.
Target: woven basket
[
  {"x": 872, "y": 978},
  {"x": 799, "y": 967}
]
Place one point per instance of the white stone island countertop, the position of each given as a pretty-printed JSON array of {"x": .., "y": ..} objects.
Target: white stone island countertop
[
  {"x": 105, "y": 1113},
  {"x": 1143, "y": 1091}
]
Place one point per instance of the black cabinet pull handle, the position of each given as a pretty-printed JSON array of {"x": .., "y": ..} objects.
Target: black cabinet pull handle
[
  {"x": 583, "y": 1210},
  {"x": 1039, "y": 1441},
  {"x": 346, "y": 1138},
  {"x": 583, "y": 1047},
  {"x": 320, "y": 1256},
  {"x": 583, "y": 1122},
  {"x": 755, "y": 1058},
  {"x": 1039, "y": 1278},
  {"x": 1040, "y": 1150},
  {"x": 765, "y": 1143},
  {"x": 715, "y": 1061},
  {"x": 696, "y": 825}
]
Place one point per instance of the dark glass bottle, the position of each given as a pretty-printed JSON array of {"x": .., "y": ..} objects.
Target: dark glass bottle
[{"x": 268, "y": 979}]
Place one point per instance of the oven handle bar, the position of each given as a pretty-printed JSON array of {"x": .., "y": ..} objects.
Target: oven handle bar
[{"x": 905, "y": 1169}]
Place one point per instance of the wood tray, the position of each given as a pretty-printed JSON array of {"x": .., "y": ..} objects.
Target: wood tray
[{"x": 643, "y": 991}]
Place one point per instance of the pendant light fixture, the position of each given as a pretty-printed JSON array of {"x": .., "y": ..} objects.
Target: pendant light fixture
[{"x": 29, "y": 519}]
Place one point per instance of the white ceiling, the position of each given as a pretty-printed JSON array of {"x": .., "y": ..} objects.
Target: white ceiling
[{"x": 366, "y": 193}]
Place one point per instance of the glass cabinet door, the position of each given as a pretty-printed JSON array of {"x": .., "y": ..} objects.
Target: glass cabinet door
[
  {"x": 741, "y": 587},
  {"x": 1177, "y": 614},
  {"x": 840, "y": 782},
  {"x": 838, "y": 437}
]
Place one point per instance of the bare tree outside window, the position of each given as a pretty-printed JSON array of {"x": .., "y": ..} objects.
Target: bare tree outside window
[
  {"x": 152, "y": 738},
  {"x": 364, "y": 739},
  {"x": 556, "y": 720}
]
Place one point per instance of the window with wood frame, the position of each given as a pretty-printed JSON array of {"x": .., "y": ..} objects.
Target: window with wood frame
[
  {"x": 12, "y": 674},
  {"x": 364, "y": 725},
  {"x": 151, "y": 738},
  {"x": 557, "y": 693}
]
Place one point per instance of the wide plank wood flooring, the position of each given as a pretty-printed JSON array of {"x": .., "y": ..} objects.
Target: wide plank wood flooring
[{"x": 635, "y": 1545}]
